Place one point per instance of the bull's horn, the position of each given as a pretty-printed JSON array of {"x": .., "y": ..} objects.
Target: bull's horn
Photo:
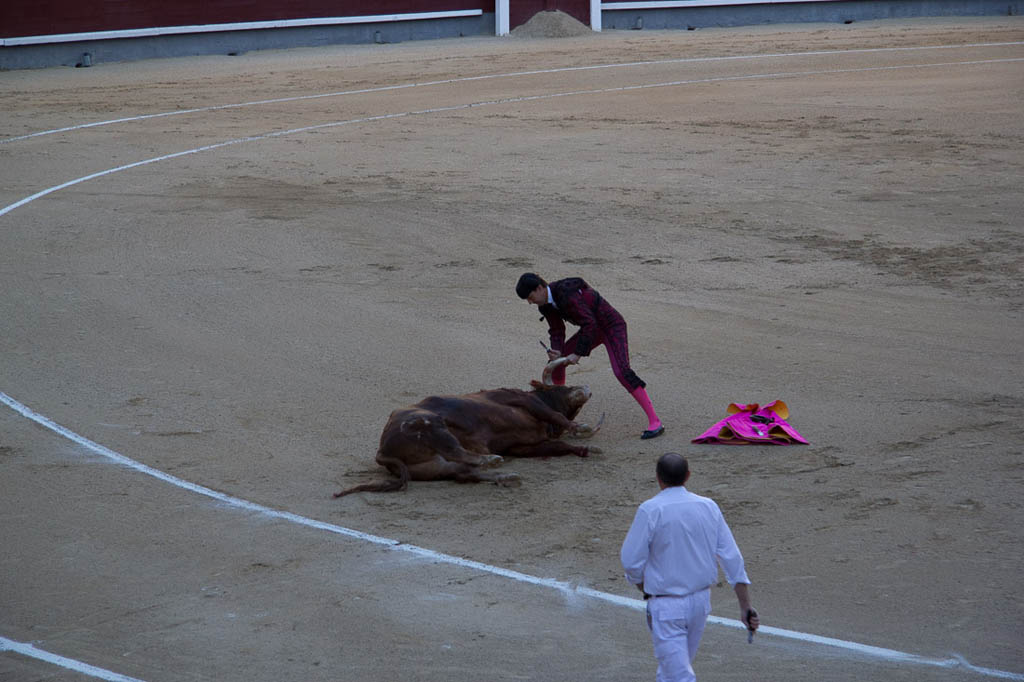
[
  {"x": 551, "y": 367},
  {"x": 587, "y": 431}
]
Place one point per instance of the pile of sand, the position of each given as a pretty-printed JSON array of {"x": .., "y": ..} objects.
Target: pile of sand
[{"x": 550, "y": 25}]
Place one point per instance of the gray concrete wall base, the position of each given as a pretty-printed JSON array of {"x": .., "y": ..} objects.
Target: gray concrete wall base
[
  {"x": 238, "y": 42},
  {"x": 800, "y": 12},
  {"x": 86, "y": 53}
]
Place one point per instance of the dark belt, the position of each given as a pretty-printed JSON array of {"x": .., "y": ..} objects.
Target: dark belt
[{"x": 648, "y": 596}]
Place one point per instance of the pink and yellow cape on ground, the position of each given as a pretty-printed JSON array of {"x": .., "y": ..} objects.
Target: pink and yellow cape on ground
[{"x": 752, "y": 424}]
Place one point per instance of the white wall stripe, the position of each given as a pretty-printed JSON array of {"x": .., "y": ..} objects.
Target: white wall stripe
[
  {"x": 676, "y": 4},
  {"x": 31, "y": 651},
  {"x": 684, "y": 60},
  {"x": 236, "y": 26},
  {"x": 566, "y": 588}
]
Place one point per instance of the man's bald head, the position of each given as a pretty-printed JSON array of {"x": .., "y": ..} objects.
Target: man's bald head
[{"x": 672, "y": 469}]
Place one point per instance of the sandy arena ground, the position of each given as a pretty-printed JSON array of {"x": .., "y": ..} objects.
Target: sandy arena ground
[{"x": 826, "y": 215}]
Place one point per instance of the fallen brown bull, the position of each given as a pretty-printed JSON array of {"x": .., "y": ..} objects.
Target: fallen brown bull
[{"x": 461, "y": 437}]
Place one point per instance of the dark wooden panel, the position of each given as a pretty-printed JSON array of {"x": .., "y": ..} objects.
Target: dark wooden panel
[
  {"x": 520, "y": 11},
  {"x": 577, "y": 9},
  {"x": 46, "y": 17}
]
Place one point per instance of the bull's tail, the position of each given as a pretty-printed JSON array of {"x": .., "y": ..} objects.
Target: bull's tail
[
  {"x": 401, "y": 483},
  {"x": 379, "y": 487}
]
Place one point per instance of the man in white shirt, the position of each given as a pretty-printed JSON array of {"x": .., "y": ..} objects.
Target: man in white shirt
[{"x": 671, "y": 553}]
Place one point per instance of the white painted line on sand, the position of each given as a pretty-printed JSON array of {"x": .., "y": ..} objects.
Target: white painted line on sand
[
  {"x": 449, "y": 81},
  {"x": 566, "y": 588},
  {"x": 31, "y": 651},
  {"x": 471, "y": 105}
]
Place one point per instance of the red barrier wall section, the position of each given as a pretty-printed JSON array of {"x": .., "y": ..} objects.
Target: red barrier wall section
[{"x": 22, "y": 18}]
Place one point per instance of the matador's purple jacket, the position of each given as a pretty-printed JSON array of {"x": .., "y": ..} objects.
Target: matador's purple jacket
[
  {"x": 576, "y": 302},
  {"x": 753, "y": 424}
]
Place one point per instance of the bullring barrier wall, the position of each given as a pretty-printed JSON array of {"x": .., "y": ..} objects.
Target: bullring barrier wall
[{"x": 71, "y": 33}]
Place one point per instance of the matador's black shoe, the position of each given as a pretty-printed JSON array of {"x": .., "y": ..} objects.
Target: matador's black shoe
[{"x": 653, "y": 433}]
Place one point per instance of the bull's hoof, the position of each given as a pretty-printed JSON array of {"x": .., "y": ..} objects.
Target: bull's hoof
[
  {"x": 591, "y": 450},
  {"x": 586, "y": 430},
  {"x": 491, "y": 461},
  {"x": 509, "y": 480},
  {"x": 583, "y": 431}
]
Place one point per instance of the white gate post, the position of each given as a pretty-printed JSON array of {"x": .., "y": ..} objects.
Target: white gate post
[
  {"x": 501, "y": 17},
  {"x": 595, "y": 15}
]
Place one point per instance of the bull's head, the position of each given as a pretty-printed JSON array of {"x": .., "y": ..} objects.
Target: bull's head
[{"x": 566, "y": 399}]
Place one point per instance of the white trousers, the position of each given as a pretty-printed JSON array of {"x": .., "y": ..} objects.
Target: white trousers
[{"x": 677, "y": 624}]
